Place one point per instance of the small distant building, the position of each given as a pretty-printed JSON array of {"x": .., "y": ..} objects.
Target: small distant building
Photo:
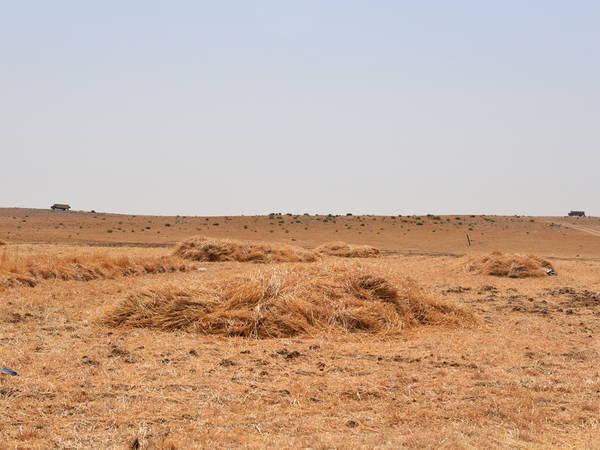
[
  {"x": 60, "y": 206},
  {"x": 577, "y": 214}
]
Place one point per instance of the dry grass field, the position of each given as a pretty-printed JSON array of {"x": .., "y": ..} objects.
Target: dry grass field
[{"x": 119, "y": 342}]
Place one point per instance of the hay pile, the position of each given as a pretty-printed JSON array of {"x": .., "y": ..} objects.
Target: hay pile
[
  {"x": 29, "y": 271},
  {"x": 200, "y": 248},
  {"x": 289, "y": 301},
  {"x": 509, "y": 265},
  {"x": 348, "y": 251},
  {"x": 3, "y": 242}
]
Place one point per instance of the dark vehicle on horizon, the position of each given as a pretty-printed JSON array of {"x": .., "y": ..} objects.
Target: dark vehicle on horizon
[{"x": 60, "y": 206}]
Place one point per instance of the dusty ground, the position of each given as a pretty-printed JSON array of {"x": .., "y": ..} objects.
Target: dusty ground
[
  {"x": 546, "y": 236},
  {"x": 526, "y": 376}
]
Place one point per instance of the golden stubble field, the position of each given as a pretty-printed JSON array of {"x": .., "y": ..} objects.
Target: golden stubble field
[{"x": 524, "y": 374}]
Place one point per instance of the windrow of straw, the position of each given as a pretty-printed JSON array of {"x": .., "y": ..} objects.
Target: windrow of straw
[
  {"x": 348, "y": 251},
  {"x": 289, "y": 301},
  {"x": 509, "y": 265},
  {"x": 200, "y": 248},
  {"x": 30, "y": 270}
]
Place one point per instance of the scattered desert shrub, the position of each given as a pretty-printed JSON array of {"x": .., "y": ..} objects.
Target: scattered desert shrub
[
  {"x": 200, "y": 248},
  {"x": 3, "y": 242},
  {"x": 30, "y": 270},
  {"x": 509, "y": 265},
  {"x": 347, "y": 250},
  {"x": 290, "y": 301}
]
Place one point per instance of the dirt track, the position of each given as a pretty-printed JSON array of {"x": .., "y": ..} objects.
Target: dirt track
[{"x": 580, "y": 228}]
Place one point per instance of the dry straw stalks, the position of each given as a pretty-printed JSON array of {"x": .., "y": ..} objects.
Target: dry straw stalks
[
  {"x": 509, "y": 265},
  {"x": 348, "y": 251},
  {"x": 290, "y": 300},
  {"x": 30, "y": 270},
  {"x": 200, "y": 248}
]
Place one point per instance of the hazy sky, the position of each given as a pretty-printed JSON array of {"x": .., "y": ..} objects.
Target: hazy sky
[{"x": 245, "y": 107}]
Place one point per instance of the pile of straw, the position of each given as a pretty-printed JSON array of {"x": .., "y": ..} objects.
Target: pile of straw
[
  {"x": 509, "y": 265},
  {"x": 348, "y": 251},
  {"x": 290, "y": 301},
  {"x": 30, "y": 270},
  {"x": 200, "y": 248}
]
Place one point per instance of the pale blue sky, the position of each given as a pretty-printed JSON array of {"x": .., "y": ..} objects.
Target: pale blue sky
[{"x": 245, "y": 107}]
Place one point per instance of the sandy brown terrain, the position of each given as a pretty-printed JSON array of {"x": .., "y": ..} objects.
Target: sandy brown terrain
[
  {"x": 524, "y": 374},
  {"x": 551, "y": 236}
]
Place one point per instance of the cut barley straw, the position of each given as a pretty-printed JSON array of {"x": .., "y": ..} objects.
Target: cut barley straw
[
  {"x": 348, "y": 251},
  {"x": 30, "y": 270},
  {"x": 200, "y": 248},
  {"x": 290, "y": 301},
  {"x": 509, "y": 265}
]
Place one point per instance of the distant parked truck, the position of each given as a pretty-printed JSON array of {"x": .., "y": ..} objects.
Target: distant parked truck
[
  {"x": 60, "y": 206},
  {"x": 577, "y": 214}
]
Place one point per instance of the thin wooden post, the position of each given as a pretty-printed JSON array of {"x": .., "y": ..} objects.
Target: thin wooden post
[{"x": 468, "y": 239}]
